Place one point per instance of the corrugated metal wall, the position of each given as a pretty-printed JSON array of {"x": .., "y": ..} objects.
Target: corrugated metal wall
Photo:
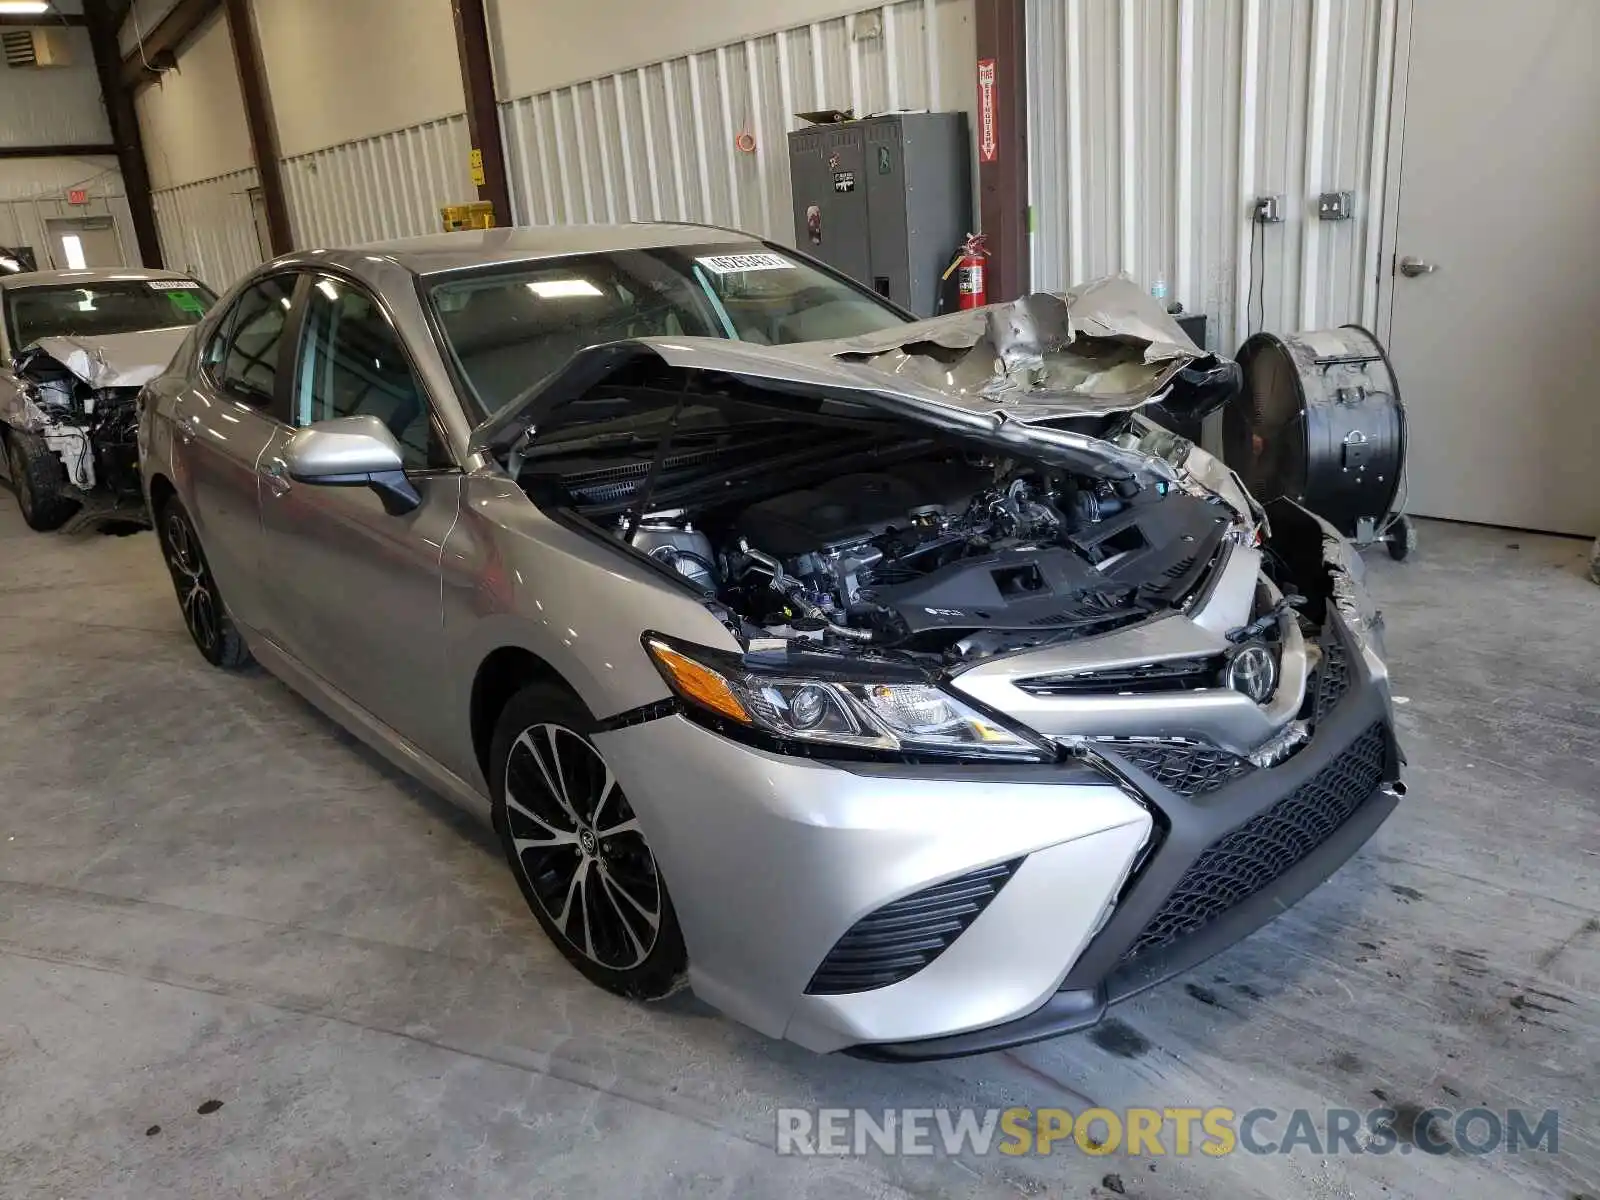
[
  {"x": 390, "y": 185},
  {"x": 54, "y": 105},
  {"x": 208, "y": 228},
  {"x": 659, "y": 142},
  {"x": 34, "y": 190},
  {"x": 1153, "y": 123}
]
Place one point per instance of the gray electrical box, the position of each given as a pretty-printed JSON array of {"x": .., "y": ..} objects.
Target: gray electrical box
[{"x": 886, "y": 200}]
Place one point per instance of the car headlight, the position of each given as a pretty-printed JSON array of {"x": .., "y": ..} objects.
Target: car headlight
[{"x": 873, "y": 716}]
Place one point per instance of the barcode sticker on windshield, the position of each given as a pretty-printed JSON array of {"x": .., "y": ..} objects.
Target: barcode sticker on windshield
[
  {"x": 729, "y": 264},
  {"x": 173, "y": 285}
]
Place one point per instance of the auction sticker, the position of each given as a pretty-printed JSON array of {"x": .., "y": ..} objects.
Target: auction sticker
[
  {"x": 173, "y": 285},
  {"x": 730, "y": 264}
]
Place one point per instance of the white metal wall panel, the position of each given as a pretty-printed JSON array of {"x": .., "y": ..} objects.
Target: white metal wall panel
[
  {"x": 659, "y": 142},
  {"x": 208, "y": 228},
  {"x": 57, "y": 105},
  {"x": 387, "y": 186},
  {"x": 1153, "y": 123},
  {"x": 34, "y": 190}
]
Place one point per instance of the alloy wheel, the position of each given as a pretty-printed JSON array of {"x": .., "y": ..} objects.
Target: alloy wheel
[
  {"x": 579, "y": 847},
  {"x": 196, "y": 597}
]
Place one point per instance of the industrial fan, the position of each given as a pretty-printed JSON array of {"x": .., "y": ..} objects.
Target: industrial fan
[{"x": 1319, "y": 420}]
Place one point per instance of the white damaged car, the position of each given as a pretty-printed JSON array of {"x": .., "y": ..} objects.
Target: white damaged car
[{"x": 75, "y": 348}]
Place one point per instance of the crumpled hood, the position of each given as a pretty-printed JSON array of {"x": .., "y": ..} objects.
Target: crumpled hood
[
  {"x": 113, "y": 360},
  {"x": 990, "y": 373}
]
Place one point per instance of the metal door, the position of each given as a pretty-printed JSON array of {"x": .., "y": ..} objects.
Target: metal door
[
  {"x": 1497, "y": 284},
  {"x": 354, "y": 590},
  {"x": 79, "y": 242},
  {"x": 222, "y": 425}
]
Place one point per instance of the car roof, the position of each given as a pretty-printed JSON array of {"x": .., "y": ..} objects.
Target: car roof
[
  {"x": 439, "y": 252},
  {"x": 96, "y": 275}
]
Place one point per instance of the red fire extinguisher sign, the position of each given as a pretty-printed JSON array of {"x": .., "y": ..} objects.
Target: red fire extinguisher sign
[{"x": 988, "y": 124}]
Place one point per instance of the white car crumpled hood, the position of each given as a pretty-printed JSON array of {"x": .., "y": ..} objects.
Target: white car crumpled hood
[{"x": 114, "y": 360}]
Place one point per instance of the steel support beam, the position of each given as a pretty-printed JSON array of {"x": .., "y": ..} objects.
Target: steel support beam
[
  {"x": 128, "y": 143},
  {"x": 160, "y": 47},
  {"x": 1003, "y": 183},
  {"x": 66, "y": 150},
  {"x": 13, "y": 20},
  {"x": 483, "y": 112},
  {"x": 259, "y": 119}
]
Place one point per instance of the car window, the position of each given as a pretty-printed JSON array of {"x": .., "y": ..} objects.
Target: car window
[
  {"x": 244, "y": 355},
  {"x": 96, "y": 309},
  {"x": 509, "y": 328},
  {"x": 352, "y": 363}
]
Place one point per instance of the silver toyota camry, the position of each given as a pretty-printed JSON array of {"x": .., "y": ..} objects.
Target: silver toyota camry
[{"x": 905, "y": 687}]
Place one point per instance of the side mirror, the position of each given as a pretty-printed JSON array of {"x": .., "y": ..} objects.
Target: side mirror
[{"x": 352, "y": 452}]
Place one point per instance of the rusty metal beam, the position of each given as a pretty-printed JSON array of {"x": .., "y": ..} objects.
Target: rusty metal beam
[
  {"x": 10, "y": 20},
  {"x": 128, "y": 142},
  {"x": 483, "y": 111},
  {"x": 259, "y": 119},
  {"x": 1003, "y": 183},
  {"x": 161, "y": 46},
  {"x": 65, "y": 150}
]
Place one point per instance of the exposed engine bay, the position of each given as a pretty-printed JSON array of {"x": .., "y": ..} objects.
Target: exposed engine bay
[
  {"x": 958, "y": 556},
  {"x": 93, "y": 430}
]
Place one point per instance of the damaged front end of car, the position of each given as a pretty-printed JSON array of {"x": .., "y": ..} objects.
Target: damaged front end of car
[
  {"x": 989, "y": 501},
  {"x": 78, "y": 397}
]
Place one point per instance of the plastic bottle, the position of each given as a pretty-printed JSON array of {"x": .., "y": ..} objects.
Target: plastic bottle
[{"x": 1158, "y": 288}]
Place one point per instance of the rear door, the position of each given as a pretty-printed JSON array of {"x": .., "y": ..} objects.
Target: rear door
[
  {"x": 355, "y": 591},
  {"x": 223, "y": 424}
]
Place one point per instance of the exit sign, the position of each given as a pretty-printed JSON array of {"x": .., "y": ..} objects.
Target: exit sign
[{"x": 78, "y": 196}]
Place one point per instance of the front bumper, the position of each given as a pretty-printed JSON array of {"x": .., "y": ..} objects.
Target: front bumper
[{"x": 772, "y": 860}]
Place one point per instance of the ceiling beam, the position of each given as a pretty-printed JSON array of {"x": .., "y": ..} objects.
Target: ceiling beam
[
  {"x": 162, "y": 45},
  {"x": 43, "y": 20},
  {"x": 67, "y": 150}
]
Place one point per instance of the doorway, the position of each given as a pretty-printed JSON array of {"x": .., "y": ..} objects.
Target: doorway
[
  {"x": 1494, "y": 284},
  {"x": 79, "y": 242}
]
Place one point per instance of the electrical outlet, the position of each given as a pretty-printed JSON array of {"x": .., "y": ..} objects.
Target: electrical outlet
[
  {"x": 1269, "y": 209},
  {"x": 1336, "y": 206}
]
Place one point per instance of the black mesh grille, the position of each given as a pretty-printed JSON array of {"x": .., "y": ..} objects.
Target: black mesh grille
[
  {"x": 1333, "y": 675},
  {"x": 1188, "y": 768},
  {"x": 1238, "y": 865},
  {"x": 901, "y": 938}
]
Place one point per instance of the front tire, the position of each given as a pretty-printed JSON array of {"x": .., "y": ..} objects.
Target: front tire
[
  {"x": 575, "y": 846},
  {"x": 39, "y": 480},
  {"x": 204, "y": 613}
]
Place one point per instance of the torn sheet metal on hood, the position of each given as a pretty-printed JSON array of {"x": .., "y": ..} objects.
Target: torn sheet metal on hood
[
  {"x": 113, "y": 360},
  {"x": 1103, "y": 347}
]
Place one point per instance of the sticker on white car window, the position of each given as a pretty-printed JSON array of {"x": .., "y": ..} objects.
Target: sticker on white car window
[
  {"x": 174, "y": 285},
  {"x": 729, "y": 264}
]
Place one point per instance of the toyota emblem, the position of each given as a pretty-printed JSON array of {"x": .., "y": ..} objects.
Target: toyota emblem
[{"x": 1254, "y": 672}]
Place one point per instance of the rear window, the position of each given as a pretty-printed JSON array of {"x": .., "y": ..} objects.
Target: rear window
[
  {"x": 510, "y": 328},
  {"x": 90, "y": 309}
]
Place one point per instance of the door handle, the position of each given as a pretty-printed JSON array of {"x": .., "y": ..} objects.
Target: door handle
[
  {"x": 186, "y": 429},
  {"x": 1412, "y": 266},
  {"x": 277, "y": 477}
]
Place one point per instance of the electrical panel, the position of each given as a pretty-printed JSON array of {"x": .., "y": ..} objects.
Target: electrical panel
[{"x": 886, "y": 200}]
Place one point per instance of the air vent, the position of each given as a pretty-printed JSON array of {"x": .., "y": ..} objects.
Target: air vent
[{"x": 36, "y": 48}]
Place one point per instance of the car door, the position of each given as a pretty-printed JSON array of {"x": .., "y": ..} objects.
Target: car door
[
  {"x": 354, "y": 591},
  {"x": 221, "y": 427}
]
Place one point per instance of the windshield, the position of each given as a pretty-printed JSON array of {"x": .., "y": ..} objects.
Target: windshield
[
  {"x": 510, "y": 328},
  {"x": 92, "y": 309}
]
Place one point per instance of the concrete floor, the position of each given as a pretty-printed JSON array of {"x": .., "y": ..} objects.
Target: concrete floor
[{"x": 208, "y": 893}]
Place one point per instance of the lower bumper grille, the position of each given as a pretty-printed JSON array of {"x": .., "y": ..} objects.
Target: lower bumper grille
[
  {"x": 901, "y": 938},
  {"x": 1255, "y": 854}
]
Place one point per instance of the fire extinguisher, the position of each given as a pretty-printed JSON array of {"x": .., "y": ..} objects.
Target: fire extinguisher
[{"x": 969, "y": 266}]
